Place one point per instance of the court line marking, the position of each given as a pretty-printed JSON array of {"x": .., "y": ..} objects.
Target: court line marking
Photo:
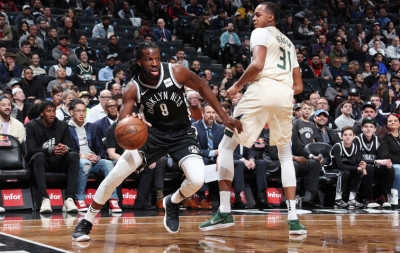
[{"x": 37, "y": 243}]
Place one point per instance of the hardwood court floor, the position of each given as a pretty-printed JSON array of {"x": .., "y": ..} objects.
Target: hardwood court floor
[{"x": 328, "y": 231}]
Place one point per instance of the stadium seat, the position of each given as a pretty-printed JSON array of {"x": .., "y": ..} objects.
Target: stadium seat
[{"x": 12, "y": 163}]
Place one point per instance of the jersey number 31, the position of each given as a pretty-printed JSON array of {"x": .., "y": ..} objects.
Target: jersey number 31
[{"x": 284, "y": 59}]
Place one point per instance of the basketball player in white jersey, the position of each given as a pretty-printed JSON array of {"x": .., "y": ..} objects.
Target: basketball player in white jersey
[{"x": 274, "y": 77}]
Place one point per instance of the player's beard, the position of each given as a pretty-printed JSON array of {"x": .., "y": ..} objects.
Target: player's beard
[{"x": 151, "y": 77}]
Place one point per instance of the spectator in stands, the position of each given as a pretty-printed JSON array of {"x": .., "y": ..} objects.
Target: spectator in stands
[
  {"x": 147, "y": 38},
  {"x": 369, "y": 18},
  {"x": 376, "y": 100},
  {"x": 84, "y": 70},
  {"x": 32, "y": 89},
  {"x": 91, "y": 152},
  {"x": 34, "y": 47},
  {"x": 50, "y": 42},
  {"x": 389, "y": 32},
  {"x": 228, "y": 80},
  {"x": 305, "y": 28},
  {"x": 35, "y": 66},
  {"x": 220, "y": 23},
  {"x": 375, "y": 36},
  {"x": 161, "y": 33},
  {"x": 238, "y": 22},
  {"x": 63, "y": 49},
  {"x": 114, "y": 150},
  {"x": 336, "y": 51},
  {"x": 56, "y": 96},
  {"x": 112, "y": 49},
  {"x": 365, "y": 93},
  {"x": 115, "y": 89},
  {"x": 42, "y": 33},
  {"x": 119, "y": 77},
  {"x": 303, "y": 133},
  {"x": 6, "y": 33},
  {"x": 373, "y": 77},
  {"x": 237, "y": 71},
  {"x": 62, "y": 63},
  {"x": 376, "y": 49},
  {"x": 106, "y": 73},
  {"x": 296, "y": 111},
  {"x": 315, "y": 36},
  {"x": 20, "y": 105},
  {"x": 319, "y": 70},
  {"x": 69, "y": 31},
  {"x": 204, "y": 22},
  {"x": 22, "y": 58},
  {"x": 179, "y": 56},
  {"x": 8, "y": 6},
  {"x": 109, "y": 10},
  {"x": 305, "y": 69},
  {"x": 345, "y": 118},
  {"x": 368, "y": 143},
  {"x": 85, "y": 97},
  {"x": 350, "y": 74},
  {"x": 368, "y": 111},
  {"x": 390, "y": 147},
  {"x": 49, "y": 148},
  {"x": 93, "y": 91},
  {"x": 37, "y": 10},
  {"x": 382, "y": 19},
  {"x": 91, "y": 52},
  {"x": 194, "y": 105},
  {"x": 322, "y": 44},
  {"x": 25, "y": 16},
  {"x": 9, "y": 68},
  {"x": 62, "y": 113},
  {"x": 196, "y": 67},
  {"x": 336, "y": 69},
  {"x": 99, "y": 111},
  {"x": 103, "y": 29},
  {"x": 360, "y": 37},
  {"x": 22, "y": 30},
  {"x": 323, "y": 104},
  {"x": 321, "y": 119},
  {"x": 246, "y": 11},
  {"x": 51, "y": 22},
  {"x": 33, "y": 30},
  {"x": 193, "y": 9},
  {"x": 394, "y": 67},
  {"x": 229, "y": 36},
  {"x": 60, "y": 80},
  {"x": 112, "y": 116},
  {"x": 10, "y": 125},
  {"x": 378, "y": 59},
  {"x": 125, "y": 12},
  {"x": 314, "y": 98},
  {"x": 349, "y": 163},
  {"x": 393, "y": 51},
  {"x": 356, "y": 53},
  {"x": 90, "y": 11},
  {"x": 145, "y": 28},
  {"x": 70, "y": 13}
]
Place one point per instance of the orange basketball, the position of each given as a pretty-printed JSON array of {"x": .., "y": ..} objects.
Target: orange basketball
[{"x": 131, "y": 133}]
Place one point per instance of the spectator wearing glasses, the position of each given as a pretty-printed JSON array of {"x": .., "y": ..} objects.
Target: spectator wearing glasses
[
  {"x": 323, "y": 104},
  {"x": 394, "y": 67},
  {"x": 196, "y": 112},
  {"x": 112, "y": 116},
  {"x": 99, "y": 111}
]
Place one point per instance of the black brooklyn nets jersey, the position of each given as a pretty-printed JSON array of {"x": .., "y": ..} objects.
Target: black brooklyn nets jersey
[
  {"x": 164, "y": 104},
  {"x": 368, "y": 150}
]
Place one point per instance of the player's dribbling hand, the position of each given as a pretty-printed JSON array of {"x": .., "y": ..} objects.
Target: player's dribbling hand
[
  {"x": 232, "y": 123},
  {"x": 140, "y": 115},
  {"x": 232, "y": 91}
]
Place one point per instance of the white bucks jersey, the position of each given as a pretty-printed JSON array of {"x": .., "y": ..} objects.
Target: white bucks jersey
[{"x": 281, "y": 54}]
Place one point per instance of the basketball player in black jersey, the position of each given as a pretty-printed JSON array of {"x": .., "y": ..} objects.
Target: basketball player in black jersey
[{"x": 157, "y": 90}]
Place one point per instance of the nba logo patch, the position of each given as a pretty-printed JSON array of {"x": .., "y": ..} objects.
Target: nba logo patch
[
  {"x": 168, "y": 82},
  {"x": 194, "y": 149}
]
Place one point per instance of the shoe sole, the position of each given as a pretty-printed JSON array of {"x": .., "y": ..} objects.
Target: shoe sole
[
  {"x": 116, "y": 210},
  {"x": 46, "y": 211},
  {"x": 217, "y": 226},
  {"x": 69, "y": 211},
  {"x": 165, "y": 220},
  {"x": 297, "y": 232},
  {"x": 82, "y": 238},
  {"x": 83, "y": 209}
]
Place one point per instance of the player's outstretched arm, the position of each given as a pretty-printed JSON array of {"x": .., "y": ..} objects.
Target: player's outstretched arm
[
  {"x": 128, "y": 101},
  {"x": 297, "y": 81},
  {"x": 193, "y": 81}
]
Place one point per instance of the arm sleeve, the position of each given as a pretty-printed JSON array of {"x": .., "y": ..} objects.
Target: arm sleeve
[{"x": 338, "y": 160}]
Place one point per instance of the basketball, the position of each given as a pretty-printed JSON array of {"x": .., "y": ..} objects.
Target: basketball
[{"x": 131, "y": 133}]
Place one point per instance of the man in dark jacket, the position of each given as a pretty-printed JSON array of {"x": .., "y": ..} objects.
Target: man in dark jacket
[
  {"x": 112, "y": 48},
  {"x": 49, "y": 146}
]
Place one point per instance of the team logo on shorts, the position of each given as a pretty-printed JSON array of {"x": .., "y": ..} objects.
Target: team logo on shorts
[{"x": 194, "y": 149}]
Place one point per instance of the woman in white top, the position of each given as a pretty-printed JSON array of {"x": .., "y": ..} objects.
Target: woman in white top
[
  {"x": 376, "y": 48},
  {"x": 305, "y": 28},
  {"x": 389, "y": 30}
]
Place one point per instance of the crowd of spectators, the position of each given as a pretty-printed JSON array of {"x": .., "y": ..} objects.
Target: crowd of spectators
[{"x": 354, "y": 47}]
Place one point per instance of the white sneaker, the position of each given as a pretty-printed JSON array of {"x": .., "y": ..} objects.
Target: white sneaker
[
  {"x": 2, "y": 210},
  {"x": 199, "y": 50},
  {"x": 69, "y": 206},
  {"x": 46, "y": 207}
]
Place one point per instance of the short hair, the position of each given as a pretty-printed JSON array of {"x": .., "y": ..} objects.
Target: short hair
[
  {"x": 30, "y": 36},
  {"x": 55, "y": 90},
  {"x": 374, "y": 65},
  {"x": 52, "y": 27},
  {"x": 46, "y": 104},
  {"x": 226, "y": 105},
  {"x": 306, "y": 102},
  {"x": 2, "y": 16},
  {"x": 34, "y": 111},
  {"x": 344, "y": 129},
  {"x": 192, "y": 92},
  {"x": 180, "y": 49},
  {"x": 25, "y": 43},
  {"x": 324, "y": 98},
  {"x": 83, "y": 51},
  {"x": 34, "y": 54},
  {"x": 74, "y": 103},
  {"x": 67, "y": 93},
  {"x": 27, "y": 68},
  {"x": 345, "y": 102},
  {"x": 374, "y": 95},
  {"x": 359, "y": 32},
  {"x": 116, "y": 71},
  {"x": 113, "y": 36},
  {"x": 272, "y": 8},
  {"x": 61, "y": 55},
  {"x": 203, "y": 106}
]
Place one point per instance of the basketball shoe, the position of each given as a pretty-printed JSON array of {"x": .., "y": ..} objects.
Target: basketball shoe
[
  {"x": 296, "y": 228},
  {"x": 218, "y": 221},
  {"x": 354, "y": 204},
  {"x": 82, "y": 231},
  {"x": 171, "y": 218}
]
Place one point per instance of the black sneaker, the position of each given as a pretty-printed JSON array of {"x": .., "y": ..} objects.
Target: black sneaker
[
  {"x": 339, "y": 203},
  {"x": 171, "y": 218},
  {"x": 82, "y": 231}
]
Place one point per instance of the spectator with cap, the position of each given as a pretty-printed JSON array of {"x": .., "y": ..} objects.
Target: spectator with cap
[
  {"x": 62, "y": 63},
  {"x": 106, "y": 73},
  {"x": 103, "y": 29},
  {"x": 112, "y": 48},
  {"x": 85, "y": 97},
  {"x": 220, "y": 23},
  {"x": 33, "y": 30},
  {"x": 238, "y": 22},
  {"x": 68, "y": 30},
  {"x": 26, "y": 16},
  {"x": 315, "y": 37},
  {"x": 10, "y": 125},
  {"x": 321, "y": 119},
  {"x": 354, "y": 99},
  {"x": 91, "y": 52},
  {"x": 296, "y": 111},
  {"x": 323, "y": 104},
  {"x": 368, "y": 111},
  {"x": 161, "y": 33},
  {"x": 9, "y": 68},
  {"x": 204, "y": 22},
  {"x": 62, "y": 48}
]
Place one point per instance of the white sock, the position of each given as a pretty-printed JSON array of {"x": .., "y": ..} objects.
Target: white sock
[
  {"x": 338, "y": 195},
  {"x": 291, "y": 205},
  {"x": 176, "y": 197},
  {"x": 225, "y": 203},
  {"x": 352, "y": 195},
  {"x": 91, "y": 214}
]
